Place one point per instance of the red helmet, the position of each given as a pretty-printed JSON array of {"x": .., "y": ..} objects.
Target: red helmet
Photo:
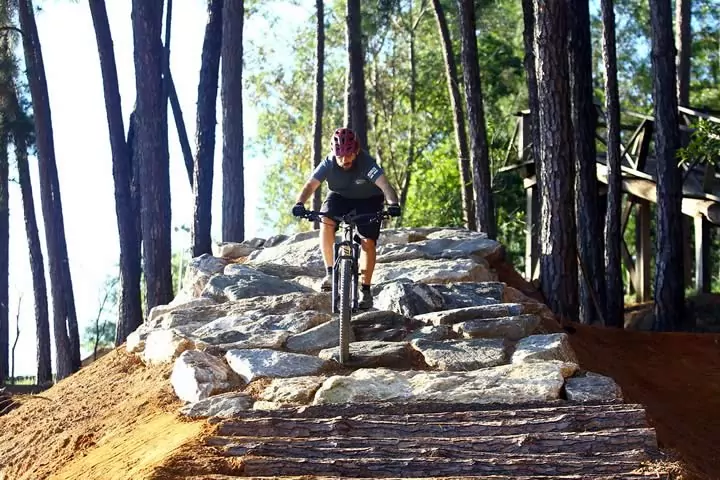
[{"x": 344, "y": 142}]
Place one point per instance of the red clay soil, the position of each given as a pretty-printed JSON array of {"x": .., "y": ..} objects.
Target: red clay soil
[{"x": 676, "y": 376}]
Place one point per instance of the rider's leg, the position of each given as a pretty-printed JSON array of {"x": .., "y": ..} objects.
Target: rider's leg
[
  {"x": 367, "y": 260},
  {"x": 327, "y": 241}
]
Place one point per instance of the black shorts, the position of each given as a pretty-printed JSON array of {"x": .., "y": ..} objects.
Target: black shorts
[{"x": 338, "y": 205}]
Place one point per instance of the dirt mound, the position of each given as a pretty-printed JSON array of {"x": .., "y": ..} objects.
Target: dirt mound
[
  {"x": 675, "y": 375},
  {"x": 114, "y": 419}
]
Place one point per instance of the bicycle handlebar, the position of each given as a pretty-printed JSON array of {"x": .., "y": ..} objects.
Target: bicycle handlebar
[{"x": 313, "y": 215}]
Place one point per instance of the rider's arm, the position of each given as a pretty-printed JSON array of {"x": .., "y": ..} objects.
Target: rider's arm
[
  {"x": 308, "y": 189},
  {"x": 388, "y": 190}
]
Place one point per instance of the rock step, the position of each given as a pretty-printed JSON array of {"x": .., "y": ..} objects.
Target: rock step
[
  {"x": 613, "y": 464},
  {"x": 560, "y": 443},
  {"x": 524, "y": 410},
  {"x": 442, "y": 441},
  {"x": 388, "y": 426},
  {"x": 631, "y": 476}
]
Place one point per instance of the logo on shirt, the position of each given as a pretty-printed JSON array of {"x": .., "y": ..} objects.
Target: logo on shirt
[
  {"x": 373, "y": 171},
  {"x": 360, "y": 181}
]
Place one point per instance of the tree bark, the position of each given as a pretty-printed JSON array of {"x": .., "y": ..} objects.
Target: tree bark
[
  {"x": 531, "y": 77},
  {"x": 479, "y": 154},
  {"x": 151, "y": 139},
  {"x": 355, "y": 103},
  {"x": 203, "y": 170},
  {"x": 171, "y": 95},
  {"x": 466, "y": 186},
  {"x": 319, "y": 100},
  {"x": 584, "y": 118},
  {"x": 67, "y": 338},
  {"x": 615, "y": 302},
  {"x": 412, "y": 151},
  {"x": 669, "y": 262},
  {"x": 37, "y": 268},
  {"x": 683, "y": 43},
  {"x": 4, "y": 244},
  {"x": 233, "y": 199},
  {"x": 558, "y": 248},
  {"x": 129, "y": 308}
]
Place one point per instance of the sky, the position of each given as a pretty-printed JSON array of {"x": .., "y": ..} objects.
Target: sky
[{"x": 82, "y": 148}]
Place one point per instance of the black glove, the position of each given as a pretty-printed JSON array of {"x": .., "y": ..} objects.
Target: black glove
[
  {"x": 299, "y": 210},
  {"x": 393, "y": 210}
]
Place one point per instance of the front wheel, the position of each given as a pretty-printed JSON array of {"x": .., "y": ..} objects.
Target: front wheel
[{"x": 345, "y": 308}]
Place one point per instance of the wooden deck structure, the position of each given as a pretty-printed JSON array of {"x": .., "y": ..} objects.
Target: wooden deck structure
[{"x": 700, "y": 203}]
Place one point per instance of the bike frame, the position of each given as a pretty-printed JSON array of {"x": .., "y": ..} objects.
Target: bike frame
[{"x": 347, "y": 248}]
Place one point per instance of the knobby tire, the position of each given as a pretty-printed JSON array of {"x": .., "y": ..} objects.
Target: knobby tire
[{"x": 345, "y": 308}]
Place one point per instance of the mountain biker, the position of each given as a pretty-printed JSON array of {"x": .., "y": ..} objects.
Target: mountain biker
[{"x": 355, "y": 182}]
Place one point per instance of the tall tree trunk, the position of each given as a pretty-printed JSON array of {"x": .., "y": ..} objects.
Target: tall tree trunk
[
  {"x": 151, "y": 139},
  {"x": 7, "y": 73},
  {"x": 319, "y": 100},
  {"x": 42, "y": 327},
  {"x": 466, "y": 187},
  {"x": 205, "y": 137},
  {"x": 615, "y": 303},
  {"x": 669, "y": 271},
  {"x": 413, "y": 108},
  {"x": 479, "y": 153},
  {"x": 355, "y": 103},
  {"x": 67, "y": 338},
  {"x": 129, "y": 308},
  {"x": 683, "y": 43},
  {"x": 531, "y": 77},
  {"x": 584, "y": 118},
  {"x": 4, "y": 240},
  {"x": 558, "y": 249},
  {"x": 233, "y": 199},
  {"x": 171, "y": 95}
]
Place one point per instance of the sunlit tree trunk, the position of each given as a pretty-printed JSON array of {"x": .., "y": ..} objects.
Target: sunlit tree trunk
[
  {"x": 479, "y": 153},
  {"x": 558, "y": 249},
  {"x": 203, "y": 170}
]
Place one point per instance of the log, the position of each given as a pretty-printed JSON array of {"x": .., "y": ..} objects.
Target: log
[
  {"x": 386, "y": 467},
  {"x": 385, "y": 428},
  {"x": 610, "y": 441}
]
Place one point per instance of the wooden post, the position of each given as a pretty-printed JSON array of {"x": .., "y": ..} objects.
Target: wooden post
[
  {"x": 703, "y": 272},
  {"x": 524, "y": 137},
  {"x": 687, "y": 226},
  {"x": 643, "y": 249},
  {"x": 532, "y": 231}
]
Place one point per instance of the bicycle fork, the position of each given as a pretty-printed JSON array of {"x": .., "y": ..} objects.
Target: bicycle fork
[{"x": 346, "y": 249}]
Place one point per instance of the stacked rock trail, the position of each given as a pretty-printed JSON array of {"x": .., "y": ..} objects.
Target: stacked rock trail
[{"x": 453, "y": 374}]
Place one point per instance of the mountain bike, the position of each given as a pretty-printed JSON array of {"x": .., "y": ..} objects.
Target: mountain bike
[{"x": 345, "y": 271}]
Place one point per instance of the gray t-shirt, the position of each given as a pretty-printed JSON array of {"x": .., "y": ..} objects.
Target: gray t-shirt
[{"x": 357, "y": 182}]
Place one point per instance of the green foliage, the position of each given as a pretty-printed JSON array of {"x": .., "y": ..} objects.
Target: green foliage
[{"x": 704, "y": 145}]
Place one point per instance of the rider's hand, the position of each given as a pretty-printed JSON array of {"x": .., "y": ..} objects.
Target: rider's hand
[
  {"x": 299, "y": 210},
  {"x": 394, "y": 210}
]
